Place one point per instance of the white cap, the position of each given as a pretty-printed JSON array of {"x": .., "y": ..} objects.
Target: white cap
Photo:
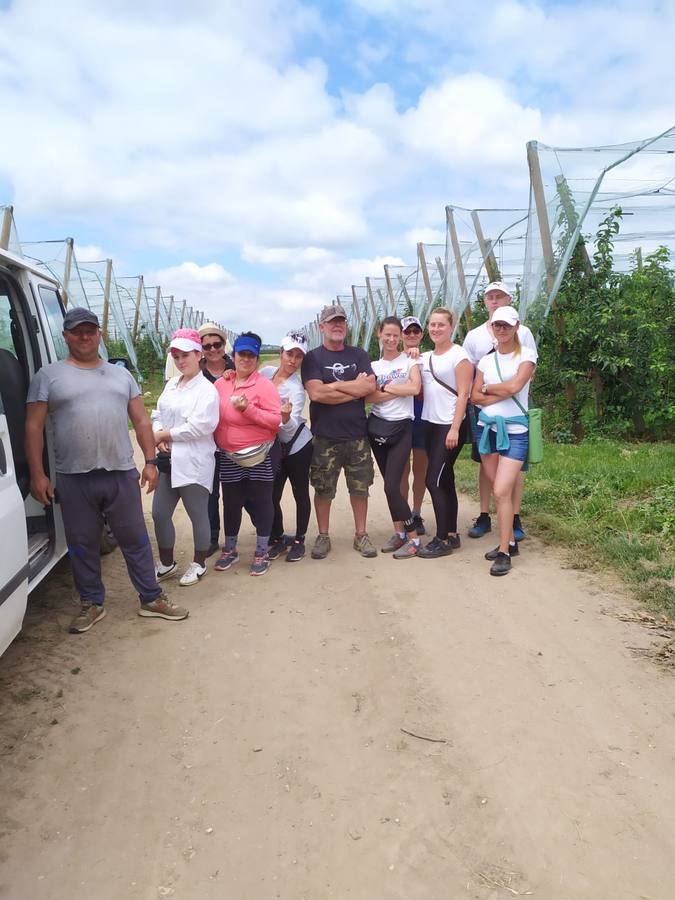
[
  {"x": 294, "y": 340},
  {"x": 185, "y": 344},
  {"x": 499, "y": 286},
  {"x": 505, "y": 314},
  {"x": 407, "y": 321}
]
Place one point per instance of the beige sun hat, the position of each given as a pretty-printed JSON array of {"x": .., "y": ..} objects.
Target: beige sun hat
[{"x": 212, "y": 328}]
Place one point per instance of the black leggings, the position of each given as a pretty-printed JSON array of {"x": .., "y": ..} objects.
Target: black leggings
[
  {"x": 391, "y": 460},
  {"x": 440, "y": 479},
  {"x": 293, "y": 468},
  {"x": 256, "y": 496}
]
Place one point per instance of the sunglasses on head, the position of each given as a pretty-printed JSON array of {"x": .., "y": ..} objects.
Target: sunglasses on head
[{"x": 216, "y": 345}]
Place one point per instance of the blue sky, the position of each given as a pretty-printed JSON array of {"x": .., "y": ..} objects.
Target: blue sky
[{"x": 259, "y": 159}]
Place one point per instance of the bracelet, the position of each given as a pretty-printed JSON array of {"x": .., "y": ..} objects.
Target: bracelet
[{"x": 151, "y": 462}]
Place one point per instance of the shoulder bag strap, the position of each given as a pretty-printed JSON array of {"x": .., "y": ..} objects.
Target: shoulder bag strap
[
  {"x": 513, "y": 397},
  {"x": 436, "y": 378}
]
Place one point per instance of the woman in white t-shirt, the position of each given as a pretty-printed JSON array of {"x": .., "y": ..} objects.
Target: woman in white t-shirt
[
  {"x": 295, "y": 439},
  {"x": 447, "y": 373},
  {"x": 501, "y": 390},
  {"x": 390, "y": 426}
]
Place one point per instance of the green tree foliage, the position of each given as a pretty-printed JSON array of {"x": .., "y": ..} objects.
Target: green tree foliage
[{"x": 606, "y": 351}]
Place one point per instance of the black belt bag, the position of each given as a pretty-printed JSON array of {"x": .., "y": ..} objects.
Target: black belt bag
[{"x": 385, "y": 432}]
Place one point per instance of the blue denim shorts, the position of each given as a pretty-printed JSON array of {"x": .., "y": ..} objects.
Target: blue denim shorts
[{"x": 518, "y": 444}]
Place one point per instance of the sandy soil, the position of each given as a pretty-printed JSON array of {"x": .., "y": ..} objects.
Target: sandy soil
[{"x": 370, "y": 729}]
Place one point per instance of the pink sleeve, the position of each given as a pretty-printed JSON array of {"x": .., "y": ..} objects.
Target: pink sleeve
[{"x": 265, "y": 408}]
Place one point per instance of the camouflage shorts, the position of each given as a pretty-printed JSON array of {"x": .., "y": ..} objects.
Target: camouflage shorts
[{"x": 330, "y": 456}]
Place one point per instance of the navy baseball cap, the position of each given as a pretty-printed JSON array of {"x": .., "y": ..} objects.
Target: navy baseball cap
[{"x": 79, "y": 315}]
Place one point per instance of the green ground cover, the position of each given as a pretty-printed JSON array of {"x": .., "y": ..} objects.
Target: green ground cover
[{"x": 611, "y": 503}]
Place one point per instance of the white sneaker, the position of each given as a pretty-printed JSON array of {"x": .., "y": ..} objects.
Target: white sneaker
[
  {"x": 162, "y": 572},
  {"x": 192, "y": 574}
]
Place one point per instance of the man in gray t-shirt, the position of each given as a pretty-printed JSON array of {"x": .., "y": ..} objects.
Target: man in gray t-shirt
[{"x": 87, "y": 403}]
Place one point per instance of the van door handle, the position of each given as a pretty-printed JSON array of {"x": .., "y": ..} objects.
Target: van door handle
[{"x": 3, "y": 458}]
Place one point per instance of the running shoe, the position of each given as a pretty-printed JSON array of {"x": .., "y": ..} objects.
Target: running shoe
[
  {"x": 518, "y": 532},
  {"x": 162, "y": 572},
  {"x": 192, "y": 574},
  {"x": 321, "y": 547},
  {"x": 408, "y": 550},
  {"x": 418, "y": 523},
  {"x": 227, "y": 559},
  {"x": 364, "y": 545},
  {"x": 276, "y": 547},
  {"x": 392, "y": 544},
  {"x": 434, "y": 549},
  {"x": 260, "y": 565},
  {"x": 88, "y": 615},
  {"x": 296, "y": 551},
  {"x": 481, "y": 526},
  {"x": 162, "y": 608},
  {"x": 501, "y": 565},
  {"x": 493, "y": 554}
]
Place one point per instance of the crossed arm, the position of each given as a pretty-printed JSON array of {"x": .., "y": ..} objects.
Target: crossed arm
[
  {"x": 502, "y": 390},
  {"x": 338, "y": 392},
  {"x": 409, "y": 388}
]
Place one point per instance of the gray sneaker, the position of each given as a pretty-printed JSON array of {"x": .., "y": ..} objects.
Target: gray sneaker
[
  {"x": 392, "y": 544},
  {"x": 163, "y": 608},
  {"x": 321, "y": 547},
  {"x": 88, "y": 615},
  {"x": 364, "y": 545}
]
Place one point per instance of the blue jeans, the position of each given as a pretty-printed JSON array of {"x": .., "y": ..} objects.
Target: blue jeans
[{"x": 518, "y": 444}]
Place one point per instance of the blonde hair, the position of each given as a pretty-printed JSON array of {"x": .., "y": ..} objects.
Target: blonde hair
[
  {"x": 519, "y": 346},
  {"x": 443, "y": 311}
]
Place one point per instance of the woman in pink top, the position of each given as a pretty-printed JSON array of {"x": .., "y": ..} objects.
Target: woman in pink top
[{"x": 250, "y": 414}]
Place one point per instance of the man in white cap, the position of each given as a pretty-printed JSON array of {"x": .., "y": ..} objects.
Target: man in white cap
[{"x": 478, "y": 343}]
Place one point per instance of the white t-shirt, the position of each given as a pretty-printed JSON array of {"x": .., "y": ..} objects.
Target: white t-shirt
[
  {"x": 439, "y": 402},
  {"x": 293, "y": 390},
  {"x": 508, "y": 366},
  {"x": 479, "y": 341},
  {"x": 394, "y": 371}
]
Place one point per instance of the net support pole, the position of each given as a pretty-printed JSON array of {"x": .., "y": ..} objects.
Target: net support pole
[
  {"x": 6, "y": 228},
  {"x": 182, "y": 313},
  {"x": 422, "y": 263},
  {"x": 638, "y": 258},
  {"x": 170, "y": 313},
  {"x": 67, "y": 265},
  {"x": 137, "y": 312},
  {"x": 572, "y": 217},
  {"x": 537, "y": 184},
  {"x": 390, "y": 290},
  {"x": 459, "y": 263},
  {"x": 369, "y": 292},
  {"x": 486, "y": 250},
  {"x": 356, "y": 316},
  {"x": 404, "y": 290},
  {"x": 158, "y": 300},
  {"x": 106, "y": 298}
]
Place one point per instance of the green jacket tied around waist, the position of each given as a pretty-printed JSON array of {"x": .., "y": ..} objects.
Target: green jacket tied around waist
[{"x": 503, "y": 442}]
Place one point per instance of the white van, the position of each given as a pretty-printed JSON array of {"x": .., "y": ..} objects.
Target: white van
[{"x": 32, "y": 538}]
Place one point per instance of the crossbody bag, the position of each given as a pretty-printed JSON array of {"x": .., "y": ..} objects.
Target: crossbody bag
[{"x": 467, "y": 416}]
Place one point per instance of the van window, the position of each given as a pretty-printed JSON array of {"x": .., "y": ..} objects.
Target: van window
[
  {"x": 54, "y": 314},
  {"x": 6, "y": 339}
]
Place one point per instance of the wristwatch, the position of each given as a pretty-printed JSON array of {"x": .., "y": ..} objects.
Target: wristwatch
[
  {"x": 151, "y": 462},
  {"x": 484, "y": 389}
]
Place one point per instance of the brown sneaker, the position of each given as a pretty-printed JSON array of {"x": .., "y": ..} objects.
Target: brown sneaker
[
  {"x": 364, "y": 545},
  {"x": 163, "y": 608},
  {"x": 88, "y": 615}
]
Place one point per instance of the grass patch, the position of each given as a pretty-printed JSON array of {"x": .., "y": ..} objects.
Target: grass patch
[{"x": 611, "y": 503}]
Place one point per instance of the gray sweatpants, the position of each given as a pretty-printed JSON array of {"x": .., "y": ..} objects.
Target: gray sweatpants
[{"x": 196, "y": 502}]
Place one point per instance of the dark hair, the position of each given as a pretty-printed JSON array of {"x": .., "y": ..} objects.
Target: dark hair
[
  {"x": 251, "y": 334},
  {"x": 391, "y": 320}
]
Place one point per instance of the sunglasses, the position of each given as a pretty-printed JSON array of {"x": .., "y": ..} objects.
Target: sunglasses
[
  {"x": 413, "y": 330},
  {"x": 216, "y": 345},
  {"x": 499, "y": 325}
]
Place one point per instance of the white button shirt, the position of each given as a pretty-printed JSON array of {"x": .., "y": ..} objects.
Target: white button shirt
[{"x": 190, "y": 412}]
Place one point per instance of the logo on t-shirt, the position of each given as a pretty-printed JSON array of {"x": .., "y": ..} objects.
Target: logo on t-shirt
[
  {"x": 396, "y": 375},
  {"x": 339, "y": 371}
]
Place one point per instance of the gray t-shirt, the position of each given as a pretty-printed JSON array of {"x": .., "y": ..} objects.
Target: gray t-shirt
[{"x": 87, "y": 415}]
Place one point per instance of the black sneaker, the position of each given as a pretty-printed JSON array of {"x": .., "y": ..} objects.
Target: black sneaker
[
  {"x": 276, "y": 548},
  {"x": 418, "y": 525},
  {"x": 481, "y": 526},
  {"x": 454, "y": 541},
  {"x": 435, "y": 548},
  {"x": 501, "y": 565},
  {"x": 492, "y": 554},
  {"x": 296, "y": 551}
]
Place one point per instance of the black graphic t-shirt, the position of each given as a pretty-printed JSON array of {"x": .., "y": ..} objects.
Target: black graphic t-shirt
[{"x": 343, "y": 421}]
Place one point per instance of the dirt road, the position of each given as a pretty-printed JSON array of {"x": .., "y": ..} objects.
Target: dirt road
[{"x": 370, "y": 729}]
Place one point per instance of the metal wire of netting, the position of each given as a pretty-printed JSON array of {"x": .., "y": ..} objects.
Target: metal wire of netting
[
  {"x": 9, "y": 237},
  {"x": 572, "y": 190}
]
